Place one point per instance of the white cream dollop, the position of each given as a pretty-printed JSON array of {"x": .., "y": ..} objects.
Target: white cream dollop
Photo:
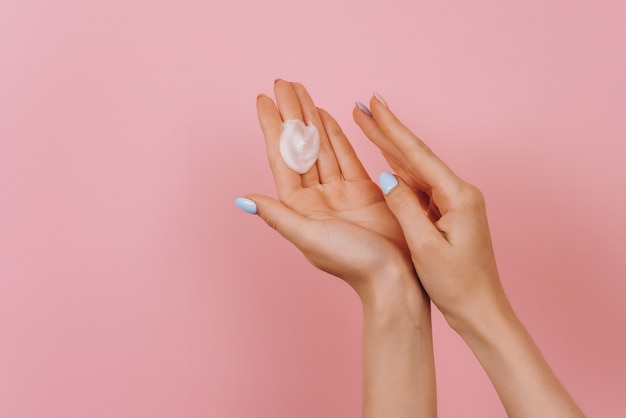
[{"x": 299, "y": 145}]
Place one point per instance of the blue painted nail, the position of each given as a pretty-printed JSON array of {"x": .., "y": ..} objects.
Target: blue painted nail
[
  {"x": 364, "y": 109},
  {"x": 387, "y": 182},
  {"x": 246, "y": 205}
]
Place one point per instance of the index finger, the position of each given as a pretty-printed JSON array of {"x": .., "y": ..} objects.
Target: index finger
[{"x": 410, "y": 152}]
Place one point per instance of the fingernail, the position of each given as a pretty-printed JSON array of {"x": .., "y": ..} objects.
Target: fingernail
[
  {"x": 246, "y": 205},
  {"x": 259, "y": 96},
  {"x": 387, "y": 182},
  {"x": 277, "y": 80},
  {"x": 381, "y": 99},
  {"x": 364, "y": 109}
]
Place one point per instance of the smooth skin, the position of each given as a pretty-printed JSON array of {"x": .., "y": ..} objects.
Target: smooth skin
[
  {"x": 428, "y": 237},
  {"x": 452, "y": 253},
  {"x": 337, "y": 216}
]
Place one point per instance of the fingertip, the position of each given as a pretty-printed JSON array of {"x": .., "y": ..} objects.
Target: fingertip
[
  {"x": 263, "y": 99},
  {"x": 262, "y": 96},
  {"x": 298, "y": 86},
  {"x": 261, "y": 205},
  {"x": 387, "y": 182},
  {"x": 364, "y": 109},
  {"x": 246, "y": 205},
  {"x": 380, "y": 98},
  {"x": 380, "y": 109}
]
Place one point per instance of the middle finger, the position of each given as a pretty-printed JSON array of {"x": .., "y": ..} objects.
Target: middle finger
[{"x": 289, "y": 108}]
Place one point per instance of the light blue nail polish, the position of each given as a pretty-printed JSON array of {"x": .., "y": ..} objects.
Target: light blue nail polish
[
  {"x": 364, "y": 108},
  {"x": 387, "y": 182},
  {"x": 246, "y": 205}
]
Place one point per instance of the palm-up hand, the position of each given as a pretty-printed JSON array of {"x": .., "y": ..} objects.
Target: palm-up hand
[{"x": 333, "y": 213}]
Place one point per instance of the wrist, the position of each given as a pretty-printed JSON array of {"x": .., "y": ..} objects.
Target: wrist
[
  {"x": 521, "y": 376},
  {"x": 484, "y": 320},
  {"x": 398, "y": 359},
  {"x": 395, "y": 294}
]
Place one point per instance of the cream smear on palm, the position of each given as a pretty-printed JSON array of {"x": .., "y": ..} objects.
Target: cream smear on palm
[{"x": 299, "y": 145}]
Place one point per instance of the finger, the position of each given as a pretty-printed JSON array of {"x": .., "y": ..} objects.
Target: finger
[
  {"x": 287, "y": 181},
  {"x": 349, "y": 164},
  {"x": 289, "y": 108},
  {"x": 391, "y": 153},
  {"x": 286, "y": 221},
  {"x": 409, "y": 152},
  {"x": 327, "y": 166},
  {"x": 421, "y": 159},
  {"x": 419, "y": 231},
  {"x": 421, "y": 190},
  {"x": 395, "y": 159}
]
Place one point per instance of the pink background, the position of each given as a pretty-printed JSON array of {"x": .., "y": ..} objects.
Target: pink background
[{"x": 130, "y": 284}]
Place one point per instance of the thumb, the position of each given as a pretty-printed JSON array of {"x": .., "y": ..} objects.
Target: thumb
[
  {"x": 417, "y": 227},
  {"x": 288, "y": 223}
]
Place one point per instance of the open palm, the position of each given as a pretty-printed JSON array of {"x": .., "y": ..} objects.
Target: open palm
[{"x": 333, "y": 213}]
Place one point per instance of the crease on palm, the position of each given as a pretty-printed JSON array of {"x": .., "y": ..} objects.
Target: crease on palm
[{"x": 359, "y": 203}]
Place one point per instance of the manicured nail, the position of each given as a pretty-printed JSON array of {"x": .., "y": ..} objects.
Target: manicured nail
[
  {"x": 246, "y": 205},
  {"x": 381, "y": 99},
  {"x": 364, "y": 109},
  {"x": 387, "y": 182}
]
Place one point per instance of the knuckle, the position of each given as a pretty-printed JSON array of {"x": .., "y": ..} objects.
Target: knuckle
[
  {"x": 378, "y": 137},
  {"x": 271, "y": 222},
  {"x": 332, "y": 129},
  {"x": 470, "y": 197},
  {"x": 417, "y": 157},
  {"x": 269, "y": 217},
  {"x": 404, "y": 200},
  {"x": 423, "y": 245}
]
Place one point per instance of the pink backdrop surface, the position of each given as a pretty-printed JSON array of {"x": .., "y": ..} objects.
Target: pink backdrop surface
[{"x": 130, "y": 284}]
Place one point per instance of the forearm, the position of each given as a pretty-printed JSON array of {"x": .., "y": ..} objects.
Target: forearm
[
  {"x": 523, "y": 379},
  {"x": 398, "y": 363}
]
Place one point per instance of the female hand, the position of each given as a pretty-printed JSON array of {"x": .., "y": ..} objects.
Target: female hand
[
  {"x": 443, "y": 218},
  {"x": 337, "y": 216},
  {"x": 445, "y": 224},
  {"x": 334, "y": 213}
]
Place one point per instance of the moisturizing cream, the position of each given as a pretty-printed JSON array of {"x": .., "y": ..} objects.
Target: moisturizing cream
[{"x": 299, "y": 145}]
